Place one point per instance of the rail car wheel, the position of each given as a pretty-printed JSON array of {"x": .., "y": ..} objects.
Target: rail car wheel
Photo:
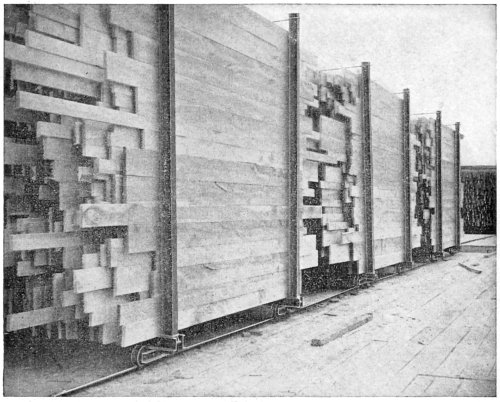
[{"x": 136, "y": 355}]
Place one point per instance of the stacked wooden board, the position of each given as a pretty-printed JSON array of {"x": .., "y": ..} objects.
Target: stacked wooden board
[
  {"x": 388, "y": 166},
  {"x": 84, "y": 79},
  {"x": 82, "y": 167},
  {"x": 331, "y": 170},
  {"x": 479, "y": 199},
  {"x": 423, "y": 168},
  {"x": 81, "y": 128},
  {"x": 450, "y": 199},
  {"x": 231, "y": 126}
]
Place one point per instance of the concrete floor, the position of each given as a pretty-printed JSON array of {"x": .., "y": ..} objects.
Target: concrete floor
[{"x": 433, "y": 333}]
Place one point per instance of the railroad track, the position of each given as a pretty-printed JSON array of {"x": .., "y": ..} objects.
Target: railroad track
[{"x": 144, "y": 355}]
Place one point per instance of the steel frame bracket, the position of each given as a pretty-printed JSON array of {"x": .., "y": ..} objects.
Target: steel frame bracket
[
  {"x": 159, "y": 348},
  {"x": 293, "y": 304},
  {"x": 171, "y": 343}
]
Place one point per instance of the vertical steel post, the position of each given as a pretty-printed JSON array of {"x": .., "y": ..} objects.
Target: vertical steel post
[
  {"x": 295, "y": 285},
  {"x": 367, "y": 166},
  {"x": 406, "y": 177},
  {"x": 439, "y": 191},
  {"x": 457, "y": 186},
  {"x": 167, "y": 235}
]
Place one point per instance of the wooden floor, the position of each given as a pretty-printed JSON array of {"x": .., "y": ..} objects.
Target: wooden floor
[{"x": 433, "y": 333}]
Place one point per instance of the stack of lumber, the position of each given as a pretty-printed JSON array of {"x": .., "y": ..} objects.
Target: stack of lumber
[
  {"x": 81, "y": 172},
  {"x": 423, "y": 196},
  {"x": 82, "y": 167},
  {"x": 232, "y": 170},
  {"x": 388, "y": 166},
  {"x": 330, "y": 169},
  {"x": 479, "y": 199},
  {"x": 450, "y": 202}
]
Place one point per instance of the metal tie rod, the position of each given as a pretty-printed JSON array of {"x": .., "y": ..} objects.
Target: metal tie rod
[{"x": 339, "y": 68}]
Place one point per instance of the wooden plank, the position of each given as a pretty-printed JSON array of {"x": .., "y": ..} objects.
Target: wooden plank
[
  {"x": 58, "y": 149},
  {"x": 225, "y": 127},
  {"x": 26, "y": 268},
  {"x": 57, "y": 13},
  {"x": 20, "y": 154},
  {"x": 139, "y": 310},
  {"x": 248, "y": 69},
  {"x": 351, "y": 326},
  {"x": 48, "y": 104},
  {"x": 70, "y": 298},
  {"x": 117, "y": 256},
  {"x": 205, "y": 296},
  {"x": 338, "y": 253},
  {"x": 223, "y": 252},
  {"x": 311, "y": 212},
  {"x": 331, "y": 158},
  {"x": 33, "y": 318},
  {"x": 220, "y": 193},
  {"x": 253, "y": 23},
  {"x": 12, "y": 113},
  {"x": 138, "y": 189},
  {"x": 190, "y": 92},
  {"x": 197, "y": 169},
  {"x": 204, "y": 234},
  {"x": 102, "y": 215},
  {"x": 14, "y": 185},
  {"x": 54, "y": 28},
  {"x": 134, "y": 17},
  {"x": 224, "y": 76},
  {"x": 198, "y": 314},
  {"x": 36, "y": 241},
  {"x": 144, "y": 49},
  {"x": 308, "y": 261},
  {"x": 45, "y": 129},
  {"x": 119, "y": 136},
  {"x": 127, "y": 71},
  {"x": 207, "y": 22},
  {"x": 131, "y": 279},
  {"x": 90, "y": 279},
  {"x": 199, "y": 148},
  {"x": 49, "y": 61},
  {"x": 140, "y": 331},
  {"x": 141, "y": 162},
  {"x": 53, "y": 79},
  {"x": 92, "y": 16},
  {"x": 230, "y": 213},
  {"x": 214, "y": 274}
]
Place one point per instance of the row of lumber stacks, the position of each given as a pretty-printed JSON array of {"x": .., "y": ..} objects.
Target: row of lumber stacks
[
  {"x": 331, "y": 241},
  {"x": 232, "y": 171},
  {"x": 479, "y": 199},
  {"x": 423, "y": 194},
  {"x": 388, "y": 166},
  {"x": 450, "y": 203},
  {"x": 81, "y": 174}
]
